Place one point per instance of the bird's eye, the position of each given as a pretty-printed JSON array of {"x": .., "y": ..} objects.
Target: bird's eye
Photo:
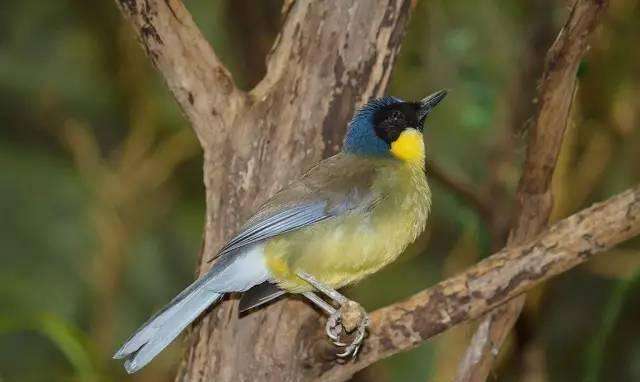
[
  {"x": 389, "y": 124},
  {"x": 392, "y": 125},
  {"x": 396, "y": 115}
]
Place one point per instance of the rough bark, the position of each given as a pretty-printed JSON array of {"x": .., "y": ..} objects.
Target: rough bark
[
  {"x": 327, "y": 59},
  {"x": 555, "y": 96},
  {"x": 201, "y": 85},
  {"x": 487, "y": 285}
]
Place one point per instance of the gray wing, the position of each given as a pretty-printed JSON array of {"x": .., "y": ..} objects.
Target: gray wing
[
  {"x": 279, "y": 222},
  {"x": 335, "y": 186}
]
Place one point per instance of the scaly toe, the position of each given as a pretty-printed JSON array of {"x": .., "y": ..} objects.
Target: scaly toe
[
  {"x": 354, "y": 346},
  {"x": 334, "y": 329}
]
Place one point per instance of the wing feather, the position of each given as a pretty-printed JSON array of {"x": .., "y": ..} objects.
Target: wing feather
[
  {"x": 276, "y": 224},
  {"x": 335, "y": 186}
]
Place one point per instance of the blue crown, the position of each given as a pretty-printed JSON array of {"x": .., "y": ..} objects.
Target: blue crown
[{"x": 361, "y": 137}]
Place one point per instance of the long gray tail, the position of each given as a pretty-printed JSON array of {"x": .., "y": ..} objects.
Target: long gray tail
[
  {"x": 230, "y": 273},
  {"x": 161, "y": 329}
]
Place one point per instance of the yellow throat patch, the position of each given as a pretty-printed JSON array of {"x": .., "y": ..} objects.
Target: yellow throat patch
[{"x": 409, "y": 146}]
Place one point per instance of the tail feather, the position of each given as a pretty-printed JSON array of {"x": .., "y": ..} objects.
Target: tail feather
[
  {"x": 231, "y": 273},
  {"x": 150, "y": 328},
  {"x": 169, "y": 328}
]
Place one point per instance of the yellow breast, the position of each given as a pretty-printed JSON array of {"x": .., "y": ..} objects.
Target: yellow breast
[{"x": 343, "y": 250}]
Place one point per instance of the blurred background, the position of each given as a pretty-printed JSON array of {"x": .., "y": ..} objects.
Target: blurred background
[{"x": 102, "y": 201}]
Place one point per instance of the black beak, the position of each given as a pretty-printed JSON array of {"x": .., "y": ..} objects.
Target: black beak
[{"x": 428, "y": 103}]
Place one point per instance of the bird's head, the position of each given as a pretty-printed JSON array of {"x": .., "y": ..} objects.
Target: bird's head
[{"x": 389, "y": 126}]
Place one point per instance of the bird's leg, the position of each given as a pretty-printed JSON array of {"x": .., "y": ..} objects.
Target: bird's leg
[
  {"x": 332, "y": 328},
  {"x": 349, "y": 317}
]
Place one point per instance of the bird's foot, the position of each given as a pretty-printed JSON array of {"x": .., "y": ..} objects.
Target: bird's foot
[{"x": 350, "y": 320}]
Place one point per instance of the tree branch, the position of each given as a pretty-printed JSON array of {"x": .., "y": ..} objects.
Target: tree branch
[
  {"x": 485, "y": 286},
  {"x": 198, "y": 80},
  {"x": 556, "y": 93}
]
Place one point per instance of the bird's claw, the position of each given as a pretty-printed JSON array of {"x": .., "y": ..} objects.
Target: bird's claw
[
  {"x": 353, "y": 348},
  {"x": 350, "y": 318},
  {"x": 336, "y": 327}
]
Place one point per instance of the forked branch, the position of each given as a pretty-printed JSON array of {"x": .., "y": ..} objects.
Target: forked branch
[{"x": 326, "y": 60}]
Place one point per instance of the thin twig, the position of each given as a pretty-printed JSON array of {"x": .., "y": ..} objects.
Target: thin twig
[{"x": 556, "y": 93}]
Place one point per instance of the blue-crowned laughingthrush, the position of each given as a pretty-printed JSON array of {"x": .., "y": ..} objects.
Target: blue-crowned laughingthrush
[{"x": 344, "y": 219}]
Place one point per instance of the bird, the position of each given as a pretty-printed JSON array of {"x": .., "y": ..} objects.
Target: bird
[{"x": 344, "y": 219}]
